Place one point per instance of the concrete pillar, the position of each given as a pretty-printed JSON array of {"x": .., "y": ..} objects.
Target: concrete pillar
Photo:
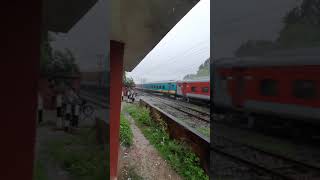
[{"x": 116, "y": 68}]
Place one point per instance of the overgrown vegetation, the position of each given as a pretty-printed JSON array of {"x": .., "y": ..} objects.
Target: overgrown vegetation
[
  {"x": 126, "y": 135},
  {"x": 81, "y": 156},
  {"x": 39, "y": 171},
  {"x": 177, "y": 153}
]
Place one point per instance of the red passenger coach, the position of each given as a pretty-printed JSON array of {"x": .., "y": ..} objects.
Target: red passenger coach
[
  {"x": 194, "y": 89},
  {"x": 286, "y": 87}
]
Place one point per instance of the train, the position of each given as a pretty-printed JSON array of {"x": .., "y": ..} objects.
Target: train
[
  {"x": 278, "y": 89},
  {"x": 281, "y": 87},
  {"x": 189, "y": 90}
]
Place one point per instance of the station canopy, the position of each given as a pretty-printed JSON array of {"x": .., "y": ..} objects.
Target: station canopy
[{"x": 139, "y": 24}]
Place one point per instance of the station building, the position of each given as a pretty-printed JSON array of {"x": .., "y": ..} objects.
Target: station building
[{"x": 136, "y": 26}]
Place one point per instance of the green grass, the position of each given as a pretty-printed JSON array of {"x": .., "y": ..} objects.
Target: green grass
[
  {"x": 81, "y": 156},
  {"x": 126, "y": 135},
  {"x": 204, "y": 130},
  {"x": 39, "y": 171},
  {"x": 177, "y": 153}
]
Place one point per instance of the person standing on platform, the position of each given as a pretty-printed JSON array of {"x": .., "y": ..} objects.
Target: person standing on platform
[
  {"x": 68, "y": 110},
  {"x": 40, "y": 108},
  {"x": 75, "y": 102},
  {"x": 128, "y": 95},
  {"x": 122, "y": 95},
  {"x": 132, "y": 95}
]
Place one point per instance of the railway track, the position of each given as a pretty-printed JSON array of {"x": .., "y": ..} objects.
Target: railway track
[
  {"x": 180, "y": 103},
  {"x": 272, "y": 164},
  {"x": 94, "y": 99},
  {"x": 199, "y": 114},
  {"x": 266, "y": 164},
  {"x": 199, "y": 144},
  {"x": 191, "y": 114}
]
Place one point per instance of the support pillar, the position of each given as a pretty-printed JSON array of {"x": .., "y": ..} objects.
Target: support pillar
[
  {"x": 116, "y": 67},
  {"x": 19, "y": 73}
]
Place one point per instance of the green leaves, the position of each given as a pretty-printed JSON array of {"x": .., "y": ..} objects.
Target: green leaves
[
  {"x": 56, "y": 62},
  {"x": 203, "y": 71},
  {"x": 126, "y": 135},
  {"x": 127, "y": 81}
]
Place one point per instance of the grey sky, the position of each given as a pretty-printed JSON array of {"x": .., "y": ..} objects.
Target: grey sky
[
  {"x": 88, "y": 39},
  {"x": 181, "y": 51},
  {"x": 186, "y": 46}
]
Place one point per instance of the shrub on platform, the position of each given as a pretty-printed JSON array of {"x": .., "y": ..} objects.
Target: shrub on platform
[{"x": 126, "y": 135}]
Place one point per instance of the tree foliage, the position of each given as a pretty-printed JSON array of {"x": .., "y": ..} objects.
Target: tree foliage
[
  {"x": 56, "y": 62},
  {"x": 255, "y": 48},
  {"x": 127, "y": 81},
  {"x": 203, "y": 71},
  {"x": 302, "y": 25},
  {"x": 301, "y": 29}
]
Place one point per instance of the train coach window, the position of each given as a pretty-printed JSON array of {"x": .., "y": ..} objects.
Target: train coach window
[
  {"x": 268, "y": 87},
  {"x": 205, "y": 89},
  {"x": 162, "y": 87},
  {"x": 304, "y": 89},
  {"x": 193, "y": 89}
]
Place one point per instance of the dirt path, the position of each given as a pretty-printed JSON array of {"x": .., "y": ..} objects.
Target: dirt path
[{"x": 145, "y": 159}]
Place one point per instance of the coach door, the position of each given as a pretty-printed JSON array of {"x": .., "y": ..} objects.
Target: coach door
[
  {"x": 179, "y": 89},
  {"x": 238, "y": 95},
  {"x": 184, "y": 89}
]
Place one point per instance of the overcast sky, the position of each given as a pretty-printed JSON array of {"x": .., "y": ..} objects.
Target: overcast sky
[
  {"x": 181, "y": 51},
  {"x": 187, "y": 45}
]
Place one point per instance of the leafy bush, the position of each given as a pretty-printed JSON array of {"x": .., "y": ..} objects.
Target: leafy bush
[{"x": 126, "y": 135}]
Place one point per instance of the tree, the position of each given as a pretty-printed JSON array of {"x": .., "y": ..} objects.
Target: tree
[
  {"x": 255, "y": 48},
  {"x": 302, "y": 26},
  {"x": 45, "y": 52},
  {"x": 301, "y": 29},
  {"x": 127, "y": 81},
  {"x": 203, "y": 71},
  {"x": 56, "y": 63}
]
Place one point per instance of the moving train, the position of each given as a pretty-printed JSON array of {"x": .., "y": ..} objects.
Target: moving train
[
  {"x": 281, "y": 87},
  {"x": 188, "y": 90}
]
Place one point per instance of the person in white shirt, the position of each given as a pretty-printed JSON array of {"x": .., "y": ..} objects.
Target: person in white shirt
[
  {"x": 132, "y": 95},
  {"x": 128, "y": 95},
  {"x": 40, "y": 108}
]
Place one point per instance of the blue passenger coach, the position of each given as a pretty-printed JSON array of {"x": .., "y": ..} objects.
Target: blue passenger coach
[{"x": 168, "y": 87}]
